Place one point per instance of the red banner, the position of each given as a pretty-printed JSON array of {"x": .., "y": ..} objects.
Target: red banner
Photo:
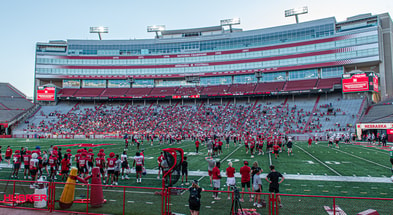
[
  {"x": 46, "y": 93},
  {"x": 356, "y": 83},
  {"x": 376, "y": 86}
]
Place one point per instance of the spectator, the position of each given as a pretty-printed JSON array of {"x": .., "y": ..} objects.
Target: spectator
[
  {"x": 194, "y": 200},
  {"x": 245, "y": 179},
  {"x": 274, "y": 184}
]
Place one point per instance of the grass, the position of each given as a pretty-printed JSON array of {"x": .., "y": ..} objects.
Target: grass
[{"x": 319, "y": 160}]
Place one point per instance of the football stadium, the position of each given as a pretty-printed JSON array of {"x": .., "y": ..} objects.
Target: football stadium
[{"x": 291, "y": 119}]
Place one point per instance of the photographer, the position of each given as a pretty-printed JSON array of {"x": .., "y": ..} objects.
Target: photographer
[{"x": 195, "y": 198}]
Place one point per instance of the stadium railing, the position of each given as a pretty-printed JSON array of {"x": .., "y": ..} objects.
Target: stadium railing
[{"x": 17, "y": 194}]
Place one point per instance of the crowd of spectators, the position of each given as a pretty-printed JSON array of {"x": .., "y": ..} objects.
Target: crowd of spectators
[{"x": 189, "y": 120}]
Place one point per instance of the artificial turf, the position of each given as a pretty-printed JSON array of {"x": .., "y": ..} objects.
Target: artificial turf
[{"x": 318, "y": 160}]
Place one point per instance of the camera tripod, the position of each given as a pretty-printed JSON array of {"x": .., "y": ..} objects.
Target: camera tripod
[{"x": 236, "y": 206}]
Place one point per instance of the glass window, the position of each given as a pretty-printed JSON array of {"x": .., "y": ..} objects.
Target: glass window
[
  {"x": 303, "y": 74},
  {"x": 244, "y": 79},
  {"x": 273, "y": 76}
]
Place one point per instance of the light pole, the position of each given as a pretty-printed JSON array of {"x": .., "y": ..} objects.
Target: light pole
[
  {"x": 230, "y": 22},
  {"x": 99, "y": 30},
  {"x": 296, "y": 12}
]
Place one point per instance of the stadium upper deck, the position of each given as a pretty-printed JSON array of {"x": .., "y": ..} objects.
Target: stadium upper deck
[{"x": 315, "y": 51}]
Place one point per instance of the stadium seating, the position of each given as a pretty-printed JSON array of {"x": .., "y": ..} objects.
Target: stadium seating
[
  {"x": 215, "y": 90},
  {"x": 328, "y": 83},
  {"x": 291, "y": 115},
  {"x": 300, "y": 85},
  {"x": 114, "y": 92},
  {"x": 163, "y": 91},
  {"x": 240, "y": 89},
  {"x": 187, "y": 91},
  {"x": 67, "y": 92},
  {"x": 138, "y": 92},
  {"x": 269, "y": 87},
  {"x": 88, "y": 92}
]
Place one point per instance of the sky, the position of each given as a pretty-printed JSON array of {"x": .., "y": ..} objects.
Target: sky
[{"x": 26, "y": 22}]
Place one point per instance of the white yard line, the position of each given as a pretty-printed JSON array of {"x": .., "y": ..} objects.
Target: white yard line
[
  {"x": 370, "y": 149},
  {"x": 270, "y": 158},
  {"x": 362, "y": 159},
  {"x": 331, "y": 169}
]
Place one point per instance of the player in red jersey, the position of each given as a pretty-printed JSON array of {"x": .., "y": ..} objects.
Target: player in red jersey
[
  {"x": 276, "y": 149},
  {"x": 8, "y": 154},
  {"x": 220, "y": 143},
  {"x": 17, "y": 161},
  {"x": 100, "y": 162},
  {"x": 159, "y": 160},
  {"x": 83, "y": 164},
  {"x": 90, "y": 158},
  {"x": 52, "y": 161},
  {"x": 65, "y": 167},
  {"x": 231, "y": 181},
  {"x": 197, "y": 146},
  {"x": 111, "y": 161},
  {"x": 77, "y": 156},
  {"x": 26, "y": 162},
  {"x": 69, "y": 155},
  {"x": 246, "y": 144}
]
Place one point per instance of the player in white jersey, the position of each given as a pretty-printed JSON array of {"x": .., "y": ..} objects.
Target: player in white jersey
[
  {"x": 124, "y": 165},
  {"x": 138, "y": 164}
]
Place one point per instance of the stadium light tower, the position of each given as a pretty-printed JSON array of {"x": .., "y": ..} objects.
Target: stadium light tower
[
  {"x": 296, "y": 12},
  {"x": 230, "y": 22},
  {"x": 99, "y": 30},
  {"x": 156, "y": 28}
]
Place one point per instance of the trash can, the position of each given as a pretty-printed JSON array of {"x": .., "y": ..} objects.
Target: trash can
[{"x": 41, "y": 189}]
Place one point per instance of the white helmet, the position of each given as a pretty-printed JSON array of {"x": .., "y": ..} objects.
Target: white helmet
[{"x": 34, "y": 155}]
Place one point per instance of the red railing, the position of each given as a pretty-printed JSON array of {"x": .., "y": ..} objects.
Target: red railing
[{"x": 175, "y": 199}]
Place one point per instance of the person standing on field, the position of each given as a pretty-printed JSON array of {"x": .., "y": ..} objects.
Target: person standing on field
[{"x": 274, "y": 184}]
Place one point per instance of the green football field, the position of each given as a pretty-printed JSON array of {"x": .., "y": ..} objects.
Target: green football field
[{"x": 349, "y": 171}]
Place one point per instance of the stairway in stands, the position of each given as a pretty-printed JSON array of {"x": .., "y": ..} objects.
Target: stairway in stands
[{"x": 311, "y": 115}]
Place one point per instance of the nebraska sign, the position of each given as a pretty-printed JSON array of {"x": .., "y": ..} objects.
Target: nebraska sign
[{"x": 375, "y": 126}]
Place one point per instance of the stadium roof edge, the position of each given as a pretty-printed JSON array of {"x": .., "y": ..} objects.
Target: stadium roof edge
[{"x": 330, "y": 20}]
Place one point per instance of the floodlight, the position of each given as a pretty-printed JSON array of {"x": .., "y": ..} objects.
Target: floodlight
[
  {"x": 230, "y": 22},
  {"x": 99, "y": 30},
  {"x": 156, "y": 28},
  {"x": 296, "y": 12}
]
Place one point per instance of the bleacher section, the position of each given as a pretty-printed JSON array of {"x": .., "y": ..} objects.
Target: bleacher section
[
  {"x": 114, "y": 92},
  {"x": 89, "y": 92},
  {"x": 163, "y": 91},
  {"x": 289, "y": 115},
  {"x": 328, "y": 83},
  {"x": 13, "y": 104},
  {"x": 269, "y": 87},
  {"x": 187, "y": 91},
  {"x": 240, "y": 89},
  {"x": 382, "y": 113},
  {"x": 216, "y": 90},
  {"x": 67, "y": 92},
  {"x": 138, "y": 92},
  {"x": 300, "y": 85}
]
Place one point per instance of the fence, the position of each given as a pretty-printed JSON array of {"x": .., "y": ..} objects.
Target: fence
[{"x": 161, "y": 200}]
